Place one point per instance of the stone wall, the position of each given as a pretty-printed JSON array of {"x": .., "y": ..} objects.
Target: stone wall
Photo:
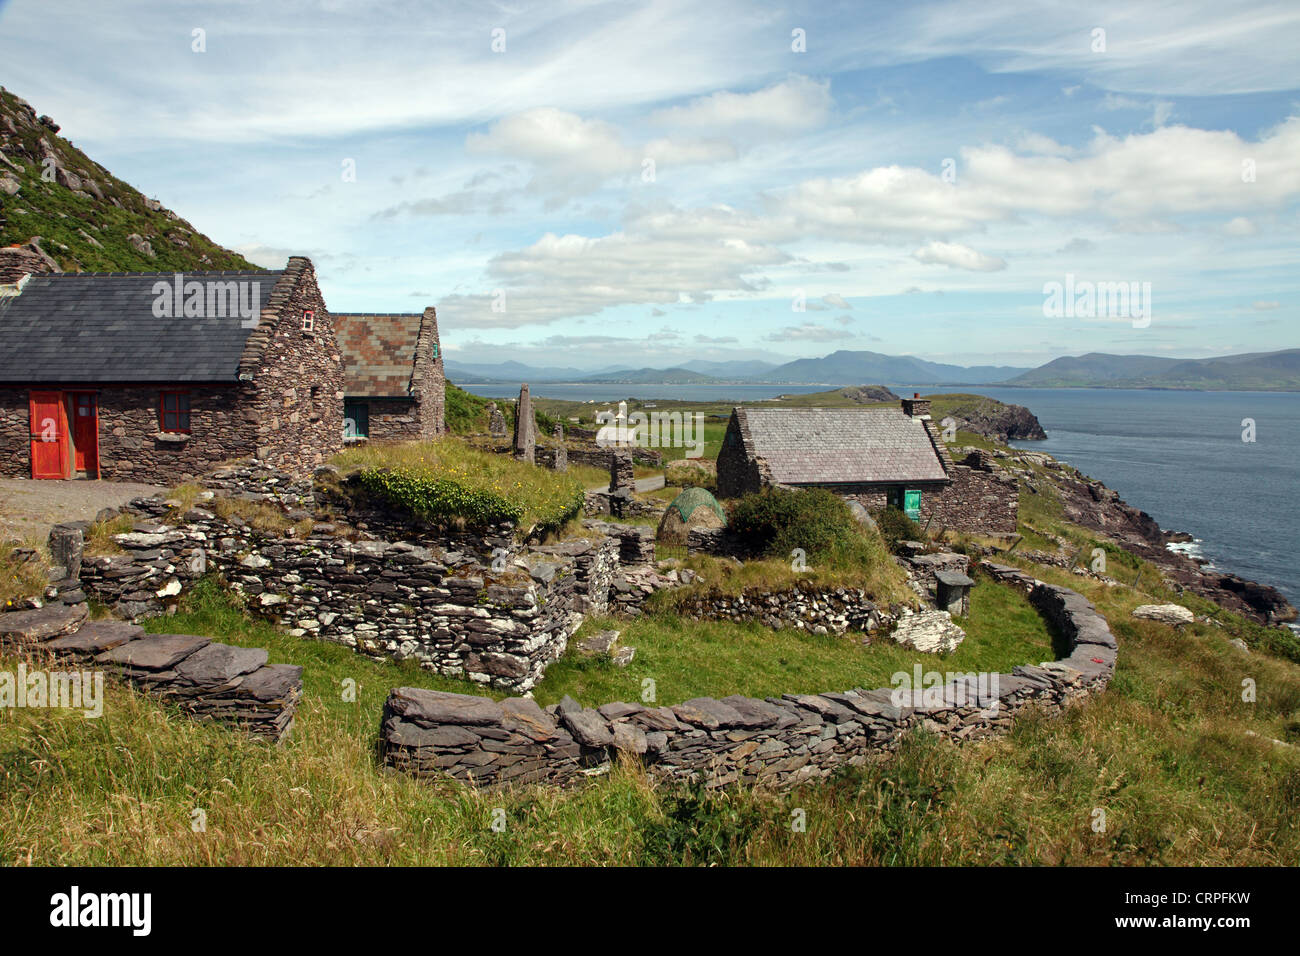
[
  {"x": 493, "y": 615},
  {"x": 820, "y": 610},
  {"x": 776, "y": 742},
  {"x": 392, "y": 419},
  {"x": 132, "y": 446},
  {"x": 717, "y": 541},
  {"x": 297, "y": 408},
  {"x": 981, "y": 499},
  {"x": 429, "y": 379},
  {"x": 205, "y": 679}
]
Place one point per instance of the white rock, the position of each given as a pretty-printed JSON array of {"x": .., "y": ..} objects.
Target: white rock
[
  {"x": 170, "y": 589},
  {"x": 1165, "y": 613},
  {"x": 929, "y": 631}
]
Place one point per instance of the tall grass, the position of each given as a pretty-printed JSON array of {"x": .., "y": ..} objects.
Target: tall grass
[{"x": 1164, "y": 752}]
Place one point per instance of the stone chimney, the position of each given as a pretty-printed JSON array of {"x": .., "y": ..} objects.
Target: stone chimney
[
  {"x": 916, "y": 406},
  {"x": 19, "y": 261}
]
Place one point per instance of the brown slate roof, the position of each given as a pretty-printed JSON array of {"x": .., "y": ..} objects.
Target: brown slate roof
[
  {"x": 841, "y": 445},
  {"x": 378, "y": 352}
]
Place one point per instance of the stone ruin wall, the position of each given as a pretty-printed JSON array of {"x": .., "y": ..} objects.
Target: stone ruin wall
[
  {"x": 206, "y": 680},
  {"x": 776, "y": 742},
  {"x": 449, "y": 610}
]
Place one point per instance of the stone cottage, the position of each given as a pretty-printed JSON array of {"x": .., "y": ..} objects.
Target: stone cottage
[
  {"x": 394, "y": 386},
  {"x": 880, "y": 457},
  {"x": 159, "y": 376}
]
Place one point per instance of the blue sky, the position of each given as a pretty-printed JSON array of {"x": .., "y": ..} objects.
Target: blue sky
[{"x": 645, "y": 184}]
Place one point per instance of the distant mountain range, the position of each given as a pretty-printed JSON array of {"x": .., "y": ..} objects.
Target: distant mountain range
[
  {"x": 1263, "y": 371},
  {"x": 849, "y": 368},
  {"x": 1253, "y": 371}
]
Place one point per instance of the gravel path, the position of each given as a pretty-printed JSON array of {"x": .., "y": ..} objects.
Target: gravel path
[
  {"x": 30, "y": 508},
  {"x": 653, "y": 483}
]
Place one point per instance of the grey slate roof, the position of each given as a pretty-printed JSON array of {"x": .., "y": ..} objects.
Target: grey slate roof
[
  {"x": 99, "y": 327},
  {"x": 841, "y": 445}
]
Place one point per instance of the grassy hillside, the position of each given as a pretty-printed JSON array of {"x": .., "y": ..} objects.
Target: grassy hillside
[
  {"x": 82, "y": 215},
  {"x": 1167, "y": 752}
]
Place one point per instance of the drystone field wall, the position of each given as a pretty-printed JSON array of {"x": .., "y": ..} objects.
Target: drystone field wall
[
  {"x": 819, "y": 610},
  {"x": 776, "y": 742},
  {"x": 205, "y": 679},
  {"x": 499, "y": 623}
]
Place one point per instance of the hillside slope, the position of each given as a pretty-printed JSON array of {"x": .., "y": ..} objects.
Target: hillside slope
[
  {"x": 81, "y": 215},
  {"x": 1252, "y": 371}
]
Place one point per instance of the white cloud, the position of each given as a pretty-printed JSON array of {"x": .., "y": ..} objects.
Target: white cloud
[
  {"x": 808, "y": 332},
  {"x": 794, "y": 103},
  {"x": 956, "y": 256},
  {"x": 569, "y": 275},
  {"x": 1265, "y": 305},
  {"x": 1240, "y": 226},
  {"x": 837, "y": 300},
  {"x": 571, "y": 155}
]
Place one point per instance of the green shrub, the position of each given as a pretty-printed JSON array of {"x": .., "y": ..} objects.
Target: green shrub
[
  {"x": 775, "y": 521},
  {"x": 896, "y": 526}
]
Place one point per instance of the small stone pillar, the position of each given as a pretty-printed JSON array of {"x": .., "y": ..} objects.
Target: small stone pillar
[
  {"x": 67, "y": 544},
  {"x": 622, "y": 478},
  {"x": 952, "y": 592},
  {"x": 496, "y": 421},
  {"x": 558, "y": 432},
  {"x": 525, "y": 441}
]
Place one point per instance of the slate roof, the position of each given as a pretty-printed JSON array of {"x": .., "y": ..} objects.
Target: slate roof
[
  {"x": 379, "y": 352},
  {"x": 806, "y": 446},
  {"x": 100, "y": 327}
]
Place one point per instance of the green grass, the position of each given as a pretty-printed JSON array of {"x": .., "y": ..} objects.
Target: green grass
[
  {"x": 1164, "y": 752},
  {"x": 464, "y": 411},
  {"x": 686, "y": 658},
  {"x": 867, "y": 566},
  {"x": 449, "y": 482}
]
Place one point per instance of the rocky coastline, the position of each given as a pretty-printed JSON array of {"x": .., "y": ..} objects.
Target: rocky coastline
[{"x": 1090, "y": 504}]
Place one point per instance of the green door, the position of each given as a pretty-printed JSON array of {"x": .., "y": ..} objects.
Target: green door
[{"x": 912, "y": 504}]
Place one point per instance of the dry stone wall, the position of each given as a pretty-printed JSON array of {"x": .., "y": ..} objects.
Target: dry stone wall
[
  {"x": 776, "y": 742},
  {"x": 491, "y": 615},
  {"x": 819, "y": 610},
  {"x": 207, "y": 680}
]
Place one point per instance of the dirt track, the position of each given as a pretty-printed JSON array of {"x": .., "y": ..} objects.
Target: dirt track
[{"x": 28, "y": 509}]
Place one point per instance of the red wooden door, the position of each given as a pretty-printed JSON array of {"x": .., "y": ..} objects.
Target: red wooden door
[
  {"x": 49, "y": 428},
  {"x": 85, "y": 434}
]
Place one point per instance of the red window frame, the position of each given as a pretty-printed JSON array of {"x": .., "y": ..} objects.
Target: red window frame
[{"x": 180, "y": 414}]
